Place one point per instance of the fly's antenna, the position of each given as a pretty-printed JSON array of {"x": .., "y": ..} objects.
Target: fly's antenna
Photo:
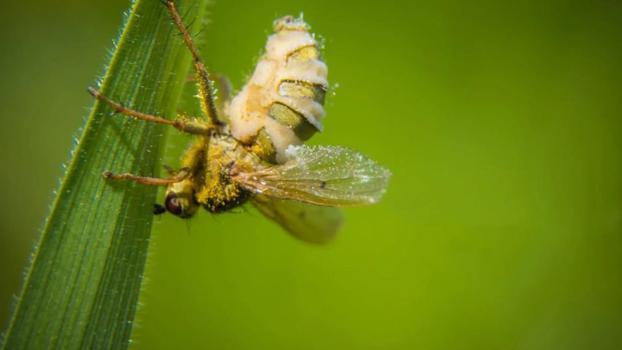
[{"x": 204, "y": 83}]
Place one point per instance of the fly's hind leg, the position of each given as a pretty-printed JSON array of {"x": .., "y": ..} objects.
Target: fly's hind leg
[
  {"x": 224, "y": 86},
  {"x": 224, "y": 90},
  {"x": 151, "y": 181},
  {"x": 203, "y": 79},
  {"x": 182, "y": 124}
]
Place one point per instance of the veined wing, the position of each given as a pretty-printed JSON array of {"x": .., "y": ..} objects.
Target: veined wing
[
  {"x": 310, "y": 223},
  {"x": 321, "y": 175}
]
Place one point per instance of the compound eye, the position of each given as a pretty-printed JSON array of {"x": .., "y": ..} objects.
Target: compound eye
[{"x": 172, "y": 204}]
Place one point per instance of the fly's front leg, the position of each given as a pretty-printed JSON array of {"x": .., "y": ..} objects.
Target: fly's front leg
[
  {"x": 194, "y": 127},
  {"x": 151, "y": 181}
]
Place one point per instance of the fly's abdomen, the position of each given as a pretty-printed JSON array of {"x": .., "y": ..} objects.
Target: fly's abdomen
[{"x": 282, "y": 103}]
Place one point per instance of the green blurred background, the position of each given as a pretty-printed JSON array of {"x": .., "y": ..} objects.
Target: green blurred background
[{"x": 502, "y": 226}]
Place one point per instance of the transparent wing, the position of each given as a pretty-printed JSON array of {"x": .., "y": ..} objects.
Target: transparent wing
[
  {"x": 310, "y": 223},
  {"x": 321, "y": 175}
]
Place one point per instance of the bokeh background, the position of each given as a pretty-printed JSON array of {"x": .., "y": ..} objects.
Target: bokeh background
[{"x": 502, "y": 226}]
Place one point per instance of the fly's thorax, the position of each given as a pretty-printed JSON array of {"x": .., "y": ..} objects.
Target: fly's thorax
[
  {"x": 218, "y": 192},
  {"x": 282, "y": 103}
]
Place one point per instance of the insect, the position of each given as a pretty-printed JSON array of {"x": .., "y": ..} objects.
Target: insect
[{"x": 250, "y": 148}]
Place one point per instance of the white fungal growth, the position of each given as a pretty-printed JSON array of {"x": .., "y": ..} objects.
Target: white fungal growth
[{"x": 284, "y": 60}]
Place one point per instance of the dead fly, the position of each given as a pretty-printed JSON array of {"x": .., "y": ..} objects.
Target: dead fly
[{"x": 251, "y": 147}]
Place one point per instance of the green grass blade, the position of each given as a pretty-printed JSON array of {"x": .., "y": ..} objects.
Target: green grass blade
[{"x": 82, "y": 288}]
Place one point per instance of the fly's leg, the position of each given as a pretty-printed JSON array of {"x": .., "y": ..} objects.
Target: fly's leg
[
  {"x": 204, "y": 82},
  {"x": 224, "y": 92},
  {"x": 223, "y": 87},
  {"x": 181, "y": 124},
  {"x": 169, "y": 169},
  {"x": 223, "y": 84},
  {"x": 151, "y": 181}
]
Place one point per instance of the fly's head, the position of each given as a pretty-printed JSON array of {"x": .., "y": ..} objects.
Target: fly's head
[{"x": 179, "y": 199}]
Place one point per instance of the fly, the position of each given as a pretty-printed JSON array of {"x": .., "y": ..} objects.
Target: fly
[{"x": 251, "y": 148}]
